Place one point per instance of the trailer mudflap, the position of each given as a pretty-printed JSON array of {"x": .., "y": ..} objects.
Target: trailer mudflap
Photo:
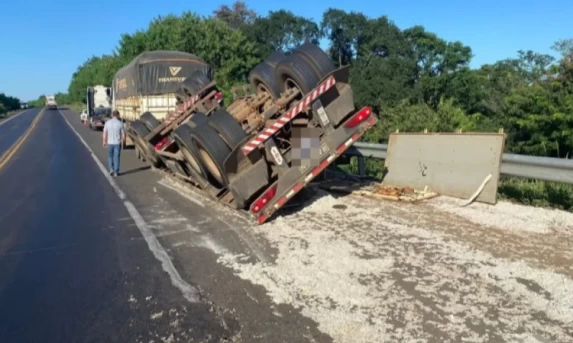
[
  {"x": 294, "y": 180},
  {"x": 247, "y": 175},
  {"x": 337, "y": 102},
  {"x": 246, "y": 184},
  {"x": 341, "y": 74}
]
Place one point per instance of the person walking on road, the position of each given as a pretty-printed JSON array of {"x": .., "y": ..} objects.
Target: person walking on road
[{"x": 113, "y": 137}]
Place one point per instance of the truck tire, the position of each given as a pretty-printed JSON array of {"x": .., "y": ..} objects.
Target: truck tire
[
  {"x": 182, "y": 136},
  {"x": 136, "y": 131},
  {"x": 295, "y": 71},
  {"x": 194, "y": 83},
  {"x": 139, "y": 132},
  {"x": 200, "y": 78},
  {"x": 227, "y": 127},
  {"x": 149, "y": 120},
  {"x": 197, "y": 119},
  {"x": 181, "y": 96},
  {"x": 190, "y": 87},
  {"x": 212, "y": 151},
  {"x": 319, "y": 60},
  {"x": 275, "y": 58},
  {"x": 262, "y": 79}
]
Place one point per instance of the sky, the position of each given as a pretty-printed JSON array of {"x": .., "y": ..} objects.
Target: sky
[{"x": 43, "y": 43}]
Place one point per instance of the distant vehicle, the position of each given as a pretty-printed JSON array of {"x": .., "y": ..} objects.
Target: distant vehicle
[
  {"x": 51, "y": 103},
  {"x": 24, "y": 105},
  {"x": 97, "y": 97},
  {"x": 99, "y": 117},
  {"x": 84, "y": 115}
]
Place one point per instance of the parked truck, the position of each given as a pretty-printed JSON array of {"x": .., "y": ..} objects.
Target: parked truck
[
  {"x": 51, "y": 103},
  {"x": 282, "y": 130},
  {"x": 148, "y": 88},
  {"x": 98, "y": 103}
]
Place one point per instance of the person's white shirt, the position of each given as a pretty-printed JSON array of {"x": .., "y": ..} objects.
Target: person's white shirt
[{"x": 113, "y": 129}]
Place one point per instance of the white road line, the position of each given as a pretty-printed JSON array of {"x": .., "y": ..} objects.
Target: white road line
[
  {"x": 189, "y": 292},
  {"x": 12, "y": 117}
]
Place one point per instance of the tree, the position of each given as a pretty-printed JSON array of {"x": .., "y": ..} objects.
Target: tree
[
  {"x": 229, "y": 51},
  {"x": 413, "y": 78},
  {"x": 236, "y": 16},
  {"x": 345, "y": 32},
  {"x": 9, "y": 103},
  {"x": 95, "y": 71},
  {"x": 39, "y": 102},
  {"x": 437, "y": 63},
  {"x": 281, "y": 30}
]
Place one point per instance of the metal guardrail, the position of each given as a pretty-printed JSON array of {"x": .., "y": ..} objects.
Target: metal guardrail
[{"x": 530, "y": 167}]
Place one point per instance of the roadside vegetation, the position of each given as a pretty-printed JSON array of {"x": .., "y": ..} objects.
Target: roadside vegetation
[
  {"x": 8, "y": 104},
  {"x": 414, "y": 79}
]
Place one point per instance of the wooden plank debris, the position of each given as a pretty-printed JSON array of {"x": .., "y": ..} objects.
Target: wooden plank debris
[{"x": 387, "y": 192}]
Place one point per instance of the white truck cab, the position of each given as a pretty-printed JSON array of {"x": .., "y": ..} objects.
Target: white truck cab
[{"x": 51, "y": 103}]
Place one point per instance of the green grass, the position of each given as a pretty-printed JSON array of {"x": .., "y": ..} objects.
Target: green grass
[{"x": 536, "y": 193}]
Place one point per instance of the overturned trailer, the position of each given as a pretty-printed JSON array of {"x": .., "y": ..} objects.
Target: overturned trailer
[{"x": 282, "y": 130}]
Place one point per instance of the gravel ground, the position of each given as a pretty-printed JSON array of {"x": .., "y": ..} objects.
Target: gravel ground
[{"x": 379, "y": 271}]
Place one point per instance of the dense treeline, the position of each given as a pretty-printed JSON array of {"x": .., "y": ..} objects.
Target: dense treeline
[
  {"x": 413, "y": 78},
  {"x": 8, "y": 103}
]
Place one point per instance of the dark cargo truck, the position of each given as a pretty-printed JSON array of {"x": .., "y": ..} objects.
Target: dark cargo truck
[{"x": 149, "y": 84}]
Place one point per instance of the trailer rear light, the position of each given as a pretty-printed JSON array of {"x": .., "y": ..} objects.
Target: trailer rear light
[
  {"x": 159, "y": 145},
  {"x": 264, "y": 199},
  {"x": 219, "y": 96},
  {"x": 359, "y": 117}
]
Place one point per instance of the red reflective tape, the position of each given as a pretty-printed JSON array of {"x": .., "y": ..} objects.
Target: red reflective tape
[
  {"x": 323, "y": 165},
  {"x": 315, "y": 171},
  {"x": 261, "y": 219},
  {"x": 285, "y": 118},
  {"x": 320, "y": 167},
  {"x": 341, "y": 149},
  {"x": 281, "y": 202},
  {"x": 355, "y": 137},
  {"x": 297, "y": 187},
  {"x": 181, "y": 108}
]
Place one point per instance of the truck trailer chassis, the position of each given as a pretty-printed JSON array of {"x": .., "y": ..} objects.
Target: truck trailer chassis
[{"x": 247, "y": 155}]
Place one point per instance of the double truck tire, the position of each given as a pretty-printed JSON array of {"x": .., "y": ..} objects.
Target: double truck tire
[
  {"x": 194, "y": 83},
  {"x": 303, "y": 69},
  {"x": 262, "y": 77},
  {"x": 149, "y": 120},
  {"x": 206, "y": 142}
]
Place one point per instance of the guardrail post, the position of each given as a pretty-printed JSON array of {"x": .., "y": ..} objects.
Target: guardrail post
[{"x": 361, "y": 166}]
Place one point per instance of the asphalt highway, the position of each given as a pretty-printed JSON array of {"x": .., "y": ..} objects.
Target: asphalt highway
[
  {"x": 74, "y": 266},
  {"x": 14, "y": 127}
]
